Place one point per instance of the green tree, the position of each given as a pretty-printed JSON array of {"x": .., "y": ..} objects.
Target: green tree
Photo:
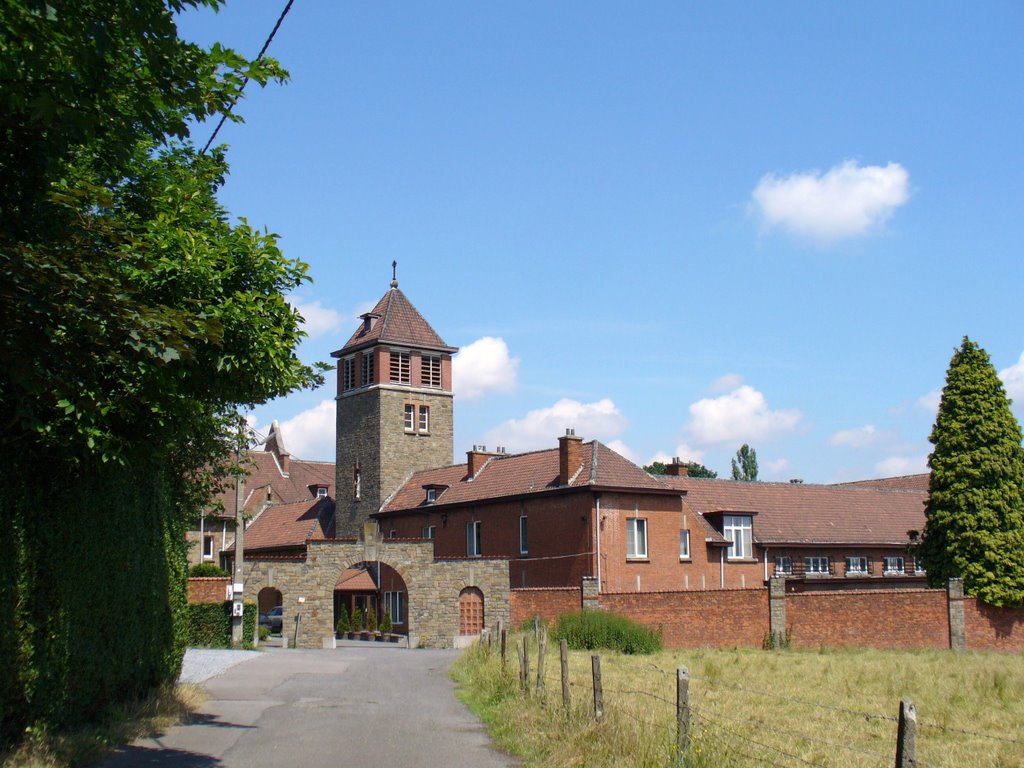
[
  {"x": 744, "y": 465},
  {"x": 693, "y": 469},
  {"x": 975, "y": 510}
]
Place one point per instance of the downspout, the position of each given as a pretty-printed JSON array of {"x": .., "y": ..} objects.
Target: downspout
[
  {"x": 766, "y": 563},
  {"x": 202, "y": 539},
  {"x": 721, "y": 567},
  {"x": 598, "y": 520}
]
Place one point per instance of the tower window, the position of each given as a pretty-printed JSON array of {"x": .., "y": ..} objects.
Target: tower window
[
  {"x": 424, "y": 418},
  {"x": 367, "y": 368},
  {"x": 400, "y": 367},
  {"x": 348, "y": 373},
  {"x": 410, "y": 417},
  {"x": 430, "y": 372},
  {"x": 473, "y": 548},
  {"x": 357, "y": 482}
]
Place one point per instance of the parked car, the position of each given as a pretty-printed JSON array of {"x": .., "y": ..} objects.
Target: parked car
[{"x": 272, "y": 620}]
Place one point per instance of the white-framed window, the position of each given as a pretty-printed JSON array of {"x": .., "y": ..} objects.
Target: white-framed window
[
  {"x": 430, "y": 532},
  {"x": 392, "y": 534},
  {"x": 430, "y": 371},
  {"x": 473, "y": 548},
  {"x": 424, "y": 418},
  {"x": 636, "y": 538},
  {"x": 367, "y": 378},
  {"x": 892, "y": 564},
  {"x": 739, "y": 531},
  {"x": 321, "y": 492},
  {"x": 857, "y": 564},
  {"x": 431, "y": 495},
  {"x": 918, "y": 567},
  {"x": 524, "y": 535},
  {"x": 348, "y": 373},
  {"x": 400, "y": 367},
  {"x": 410, "y": 417},
  {"x": 684, "y": 544},
  {"x": 208, "y": 546},
  {"x": 816, "y": 564},
  {"x": 783, "y": 565},
  {"x": 394, "y": 606}
]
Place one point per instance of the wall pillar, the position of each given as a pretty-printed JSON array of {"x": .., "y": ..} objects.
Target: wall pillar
[
  {"x": 590, "y": 594},
  {"x": 777, "y": 611},
  {"x": 955, "y": 601}
]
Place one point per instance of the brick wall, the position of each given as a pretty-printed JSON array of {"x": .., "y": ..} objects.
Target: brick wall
[
  {"x": 548, "y": 604},
  {"x": 207, "y": 589},
  {"x": 723, "y": 618},
  {"x": 878, "y": 618},
  {"x": 993, "y": 629}
]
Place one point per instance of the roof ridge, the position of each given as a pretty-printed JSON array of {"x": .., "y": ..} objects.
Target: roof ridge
[{"x": 593, "y": 461}]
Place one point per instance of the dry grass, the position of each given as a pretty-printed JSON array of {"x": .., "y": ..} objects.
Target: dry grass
[
  {"x": 161, "y": 710},
  {"x": 752, "y": 708}
]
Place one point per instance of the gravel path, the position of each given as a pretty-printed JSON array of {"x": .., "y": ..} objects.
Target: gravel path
[{"x": 203, "y": 663}]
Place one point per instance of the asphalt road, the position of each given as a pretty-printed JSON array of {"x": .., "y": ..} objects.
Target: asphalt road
[{"x": 343, "y": 707}]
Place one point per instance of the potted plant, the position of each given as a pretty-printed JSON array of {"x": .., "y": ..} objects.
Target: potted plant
[
  {"x": 371, "y": 622},
  {"x": 359, "y": 624},
  {"x": 387, "y": 628},
  {"x": 344, "y": 625}
]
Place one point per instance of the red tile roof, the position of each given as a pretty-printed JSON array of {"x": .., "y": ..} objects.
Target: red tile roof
[
  {"x": 290, "y": 525},
  {"x": 789, "y": 513},
  {"x": 265, "y": 474},
  {"x": 356, "y": 580},
  {"x": 397, "y": 322},
  {"x": 902, "y": 483},
  {"x": 503, "y": 476}
]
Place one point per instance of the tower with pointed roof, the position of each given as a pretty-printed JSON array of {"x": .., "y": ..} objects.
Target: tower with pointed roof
[{"x": 394, "y": 407}]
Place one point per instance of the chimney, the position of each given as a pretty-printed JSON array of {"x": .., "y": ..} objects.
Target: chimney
[
  {"x": 475, "y": 460},
  {"x": 676, "y": 468},
  {"x": 568, "y": 455}
]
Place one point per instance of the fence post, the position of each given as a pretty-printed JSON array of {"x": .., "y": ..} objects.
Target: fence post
[
  {"x": 682, "y": 712},
  {"x": 906, "y": 736},
  {"x": 524, "y": 673},
  {"x": 542, "y": 648},
  {"x": 955, "y": 606},
  {"x": 777, "y": 611},
  {"x": 536, "y": 627},
  {"x": 595, "y": 665},
  {"x": 563, "y": 648},
  {"x": 504, "y": 639}
]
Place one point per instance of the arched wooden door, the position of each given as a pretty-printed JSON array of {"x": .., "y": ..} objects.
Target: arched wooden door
[{"x": 471, "y": 611}]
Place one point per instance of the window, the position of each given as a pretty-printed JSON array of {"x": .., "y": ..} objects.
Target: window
[
  {"x": 348, "y": 373},
  {"x": 684, "y": 544},
  {"x": 424, "y": 418},
  {"x": 636, "y": 538},
  {"x": 783, "y": 565},
  {"x": 431, "y": 495},
  {"x": 357, "y": 482},
  {"x": 738, "y": 530},
  {"x": 524, "y": 535},
  {"x": 430, "y": 371},
  {"x": 918, "y": 567},
  {"x": 429, "y": 531},
  {"x": 893, "y": 564},
  {"x": 394, "y": 606},
  {"x": 321, "y": 492},
  {"x": 400, "y": 367},
  {"x": 410, "y": 417},
  {"x": 473, "y": 548},
  {"x": 367, "y": 368},
  {"x": 857, "y": 564},
  {"x": 208, "y": 547},
  {"x": 392, "y": 534},
  {"x": 816, "y": 565}
]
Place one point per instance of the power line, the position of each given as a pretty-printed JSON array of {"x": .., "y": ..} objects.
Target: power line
[{"x": 263, "y": 50}]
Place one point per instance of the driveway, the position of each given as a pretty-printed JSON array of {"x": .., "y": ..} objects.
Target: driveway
[{"x": 343, "y": 707}]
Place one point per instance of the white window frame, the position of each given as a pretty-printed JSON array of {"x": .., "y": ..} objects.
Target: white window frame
[
  {"x": 890, "y": 560},
  {"x": 684, "y": 544},
  {"x": 430, "y": 532},
  {"x": 739, "y": 530},
  {"x": 430, "y": 371},
  {"x": 636, "y": 538},
  {"x": 348, "y": 373},
  {"x": 524, "y": 535},
  {"x": 858, "y": 565},
  {"x": 423, "y": 419},
  {"x": 812, "y": 563},
  {"x": 474, "y": 546},
  {"x": 395, "y": 606},
  {"x": 208, "y": 539},
  {"x": 367, "y": 373},
  {"x": 410, "y": 417},
  {"x": 783, "y": 565},
  {"x": 400, "y": 367}
]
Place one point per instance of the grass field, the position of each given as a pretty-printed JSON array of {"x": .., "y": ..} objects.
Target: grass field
[{"x": 756, "y": 708}]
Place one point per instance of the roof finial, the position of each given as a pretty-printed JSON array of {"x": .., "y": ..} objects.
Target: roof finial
[{"x": 394, "y": 274}]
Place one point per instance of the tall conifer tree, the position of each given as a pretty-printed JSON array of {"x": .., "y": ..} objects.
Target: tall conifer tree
[{"x": 975, "y": 512}]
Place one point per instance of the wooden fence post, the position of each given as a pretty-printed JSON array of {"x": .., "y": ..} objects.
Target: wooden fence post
[
  {"x": 563, "y": 648},
  {"x": 542, "y": 648},
  {"x": 536, "y": 627},
  {"x": 906, "y": 736},
  {"x": 595, "y": 665},
  {"x": 504, "y": 639},
  {"x": 524, "y": 673},
  {"x": 682, "y": 712}
]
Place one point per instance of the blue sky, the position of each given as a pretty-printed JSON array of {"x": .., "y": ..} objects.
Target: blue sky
[{"x": 676, "y": 228}]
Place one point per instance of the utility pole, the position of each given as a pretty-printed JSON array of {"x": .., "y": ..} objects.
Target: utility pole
[{"x": 238, "y": 580}]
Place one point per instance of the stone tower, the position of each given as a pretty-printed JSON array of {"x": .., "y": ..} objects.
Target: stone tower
[{"x": 394, "y": 407}]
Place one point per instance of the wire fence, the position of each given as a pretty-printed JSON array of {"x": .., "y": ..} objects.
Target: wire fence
[{"x": 697, "y": 722}]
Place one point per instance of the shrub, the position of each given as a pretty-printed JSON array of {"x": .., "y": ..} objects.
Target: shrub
[
  {"x": 344, "y": 621},
  {"x": 358, "y": 619},
  {"x": 371, "y": 619},
  {"x": 588, "y": 630},
  {"x": 200, "y": 570},
  {"x": 264, "y": 633},
  {"x": 208, "y": 625},
  {"x": 386, "y": 625}
]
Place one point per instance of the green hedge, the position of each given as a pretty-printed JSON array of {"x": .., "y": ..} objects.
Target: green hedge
[
  {"x": 201, "y": 570},
  {"x": 588, "y": 630},
  {"x": 208, "y": 625}
]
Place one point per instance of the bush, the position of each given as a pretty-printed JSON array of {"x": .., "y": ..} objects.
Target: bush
[
  {"x": 386, "y": 625},
  {"x": 588, "y": 630},
  {"x": 208, "y": 625},
  {"x": 201, "y": 570},
  {"x": 358, "y": 620},
  {"x": 371, "y": 619},
  {"x": 344, "y": 621}
]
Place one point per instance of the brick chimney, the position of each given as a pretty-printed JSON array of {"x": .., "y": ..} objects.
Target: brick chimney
[
  {"x": 568, "y": 455},
  {"x": 475, "y": 460},
  {"x": 676, "y": 468}
]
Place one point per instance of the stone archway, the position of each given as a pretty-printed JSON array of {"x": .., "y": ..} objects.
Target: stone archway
[
  {"x": 471, "y": 611},
  {"x": 269, "y": 598}
]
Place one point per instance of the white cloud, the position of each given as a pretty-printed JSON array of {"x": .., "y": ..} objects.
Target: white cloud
[
  {"x": 860, "y": 437},
  {"x": 844, "y": 202},
  {"x": 1013, "y": 379},
  {"x": 624, "y": 450},
  {"x": 895, "y": 466},
  {"x": 775, "y": 467},
  {"x": 541, "y": 428},
  {"x": 318, "y": 319},
  {"x": 725, "y": 383},
  {"x": 484, "y": 367},
  {"x": 310, "y": 435},
  {"x": 741, "y": 416},
  {"x": 683, "y": 452},
  {"x": 930, "y": 402}
]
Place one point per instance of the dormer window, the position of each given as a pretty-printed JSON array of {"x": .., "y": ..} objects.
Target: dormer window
[
  {"x": 431, "y": 495},
  {"x": 321, "y": 492},
  {"x": 432, "y": 492}
]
